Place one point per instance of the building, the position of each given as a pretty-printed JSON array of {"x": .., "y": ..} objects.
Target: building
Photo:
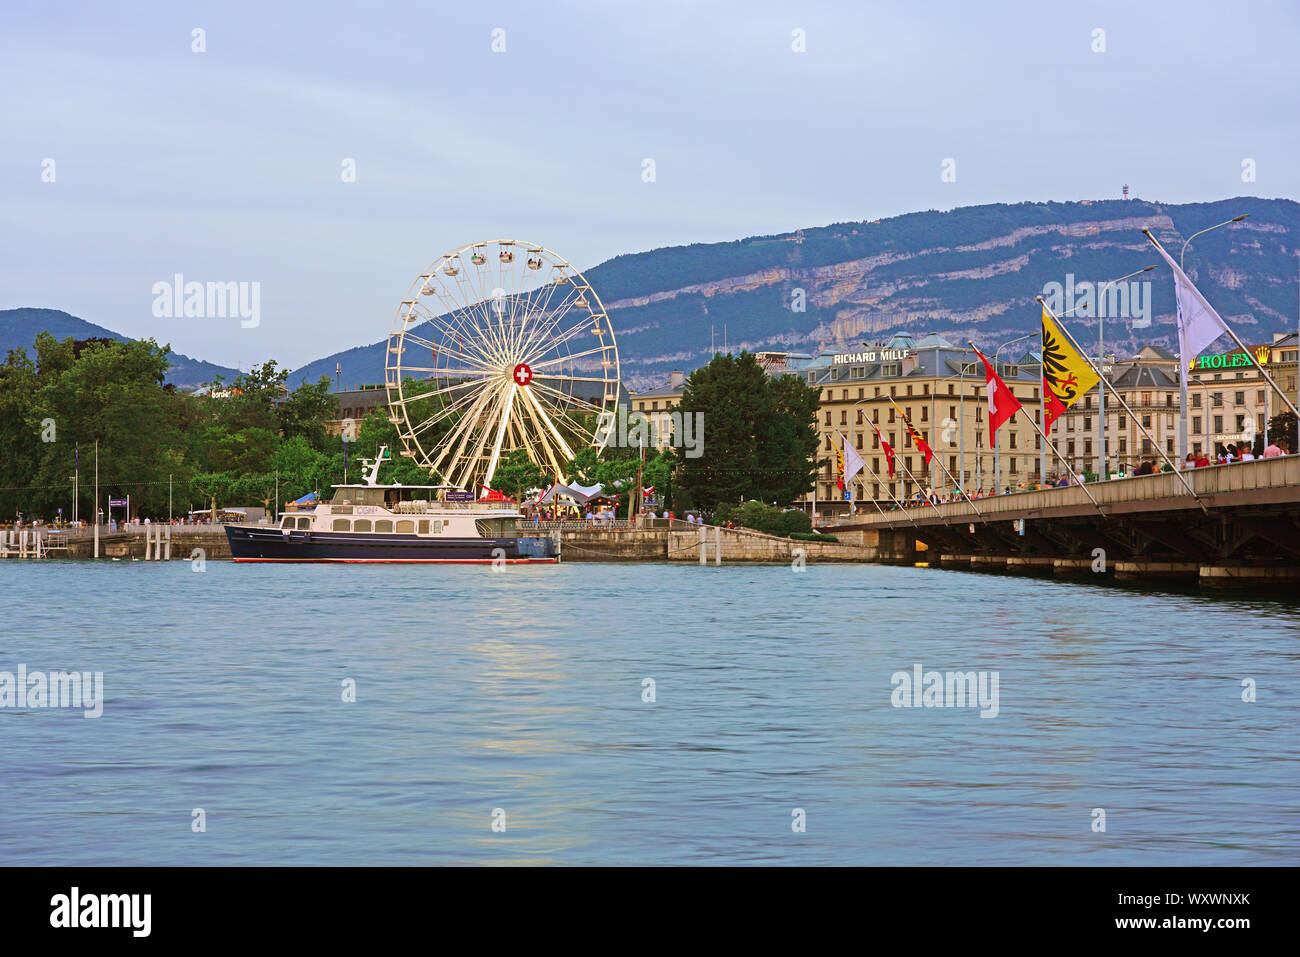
[
  {"x": 356, "y": 404},
  {"x": 941, "y": 389},
  {"x": 657, "y": 406}
]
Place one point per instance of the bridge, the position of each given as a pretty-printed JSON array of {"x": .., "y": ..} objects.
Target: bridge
[{"x": 1241, "y": 528}]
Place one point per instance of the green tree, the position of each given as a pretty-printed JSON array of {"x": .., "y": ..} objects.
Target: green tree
[
  {"x": 516, "y": 473},
  {"x": 759, "y": 434}
]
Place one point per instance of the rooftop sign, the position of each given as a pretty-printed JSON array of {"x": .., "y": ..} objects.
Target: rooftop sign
[{"x": 884, "y": 355}]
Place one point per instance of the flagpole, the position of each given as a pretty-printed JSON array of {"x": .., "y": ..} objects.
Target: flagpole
[
  {"x": 912, "y": 477},
  {"x": 934, "y": 454},
  {"x": 879, "y": 481},
  {"x": 1120, "y": 398},
  {"x": 1183, "y": 372},
  {"x": 1068, "y": 468}
]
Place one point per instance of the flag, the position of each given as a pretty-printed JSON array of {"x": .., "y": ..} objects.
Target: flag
[
  {"x": 919, "y": 442},
  {"x": 1002, "y": 402},
  {"x": 1198, "y": 323},
  {"x": 853, "y": 463},
  {"x": 1066, "y": 374},
  {"x": 889, "y": 453},
  {"x": 839, "y": 465}
]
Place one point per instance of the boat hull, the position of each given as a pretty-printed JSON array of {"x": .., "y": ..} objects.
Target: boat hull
[{"x": 271, "y": 544}]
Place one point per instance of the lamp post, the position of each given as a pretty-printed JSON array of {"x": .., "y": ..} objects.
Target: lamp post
[
  {"x": 1184, "y": 360},
  {"x": 997, "y": 463},
  {"x": 1101, "y": 380}
]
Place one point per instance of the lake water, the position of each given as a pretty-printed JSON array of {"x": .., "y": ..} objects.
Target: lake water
[{"x": 523, "y": 691}]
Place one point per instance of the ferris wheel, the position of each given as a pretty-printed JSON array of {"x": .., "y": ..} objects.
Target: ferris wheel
[{"x": 500, "y": 345}]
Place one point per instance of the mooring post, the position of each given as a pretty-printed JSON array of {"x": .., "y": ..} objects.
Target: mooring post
[
  {"x": 717, "y": 544},
  {"x": 704, "y": 545},
  {"x": 168, "y": 554}
]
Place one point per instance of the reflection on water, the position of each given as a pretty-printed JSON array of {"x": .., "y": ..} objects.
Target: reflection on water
[{"x": 522, "y": 691}]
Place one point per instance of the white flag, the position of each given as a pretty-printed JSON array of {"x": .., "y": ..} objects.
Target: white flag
[
  {"x": 1198, "y": 323},
  {"x": 852, "y": 461}
]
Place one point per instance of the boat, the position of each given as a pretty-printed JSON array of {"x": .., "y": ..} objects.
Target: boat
[{"x": 394, "y": 524}]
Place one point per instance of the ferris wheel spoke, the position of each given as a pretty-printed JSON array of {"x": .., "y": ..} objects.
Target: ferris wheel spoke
[
  {"x": 441, "y": 415},
  {"x": 462, "y": 432},
  {"x": 565, "y": 398},
  {"x": 577, "y": 355},
  {"x": 546, "y": 420},
  {"x": 501, "y": 433},
  {"x": 550, "y": 321}
]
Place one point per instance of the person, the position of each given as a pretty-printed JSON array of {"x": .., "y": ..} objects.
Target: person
[
  {"x": 1190, "y": 462},
  {"x": 1246, "y": 454},
  {"x": 1273, "y": 451},
  {"x": 1203, "y": 461}
]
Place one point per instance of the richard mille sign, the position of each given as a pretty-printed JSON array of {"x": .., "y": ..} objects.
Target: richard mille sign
[{"x": 882, "y": 355}]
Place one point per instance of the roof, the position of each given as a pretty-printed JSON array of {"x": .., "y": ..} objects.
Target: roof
[{"x": 1135, "y": 376}]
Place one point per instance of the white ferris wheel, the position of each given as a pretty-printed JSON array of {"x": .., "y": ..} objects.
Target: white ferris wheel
[{"x": 500, "y": 345}]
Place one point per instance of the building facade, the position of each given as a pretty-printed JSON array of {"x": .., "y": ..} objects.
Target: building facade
[{"x": 941, "y": 390}]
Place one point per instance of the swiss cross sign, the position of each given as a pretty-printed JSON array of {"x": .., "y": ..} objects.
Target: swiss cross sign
[{"x": 523, "y": 374}]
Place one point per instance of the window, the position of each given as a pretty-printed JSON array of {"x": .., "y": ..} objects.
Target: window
[
  {"x": 1013, "y": 466},
  {"x": 857, "y": 372},
  {"x": 1123, "y": 421},
  {"x": 384, "y": 525},
  {"x": 952, "y": 412},
  {"x": 909, "y": 388},
  {"x": 1218, "y": 423},
  {"x": 1196, "y": 400},
  {"x": 1146, "y": 446},
  {"x": 925, "y": 413},
  {"x": 1169, "y": 421},
  {"x": 891, "y": 414},
  {"x": 1087, "y": 423},
  {"x": 1011, "y": 440},
  {"x": 877, "y": 395},
  {"x": 1259, "y": 396},
  {"x": 1123, "y": 446},
  {"x": 1069, "y": 447},
  {"x": 844, "y": 416},
  {"x": 859, "y": 440},
  {"x": 304, "y": 523},
  {"x": 405, "y": 527},
  {"x": 1087, "y": 402},
  {"x": 925, "y": 389},
  {"x": 1169, "y": 445},
  {"x": 950, "y": 389},
  {"x": 1146, "y": 398},
  {"x": 1216, "y": 400},
  {"x": 1087, "y": 446},
  {"x": 341, "y": 524},
  {"x": 1240, "y": 399},
  {"x": 287, "y": 523},
  {"x": 1241, "y": 422},
  {"x": 1196, "y": 423},
  {"x": 361, "y": 525},
  {"x": 1146, "y": 420},
  {"x": 424, "y": 526},
  {"x": 875, "y": 416},
  {"x": 828, "y": 416}
]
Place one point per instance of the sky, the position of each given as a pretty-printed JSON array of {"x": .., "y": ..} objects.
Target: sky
[{"x": 537, "y": 121}]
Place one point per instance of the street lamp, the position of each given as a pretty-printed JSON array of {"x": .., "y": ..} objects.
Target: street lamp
[
  {"x": 1101, "y": 380},
  {"x": 1182, "y": 360}
]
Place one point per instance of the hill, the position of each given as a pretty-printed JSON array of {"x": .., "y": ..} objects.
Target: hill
[
  {"x": 971, "y": 273},
  {"x": 18, "y": 329}
]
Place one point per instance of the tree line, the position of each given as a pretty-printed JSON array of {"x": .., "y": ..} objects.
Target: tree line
[{"x": 237, "y": 443}]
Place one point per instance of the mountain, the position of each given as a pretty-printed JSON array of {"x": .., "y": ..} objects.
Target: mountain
[
  {"x": 971, "y": 273},
  {"x": 18, "y": 329}
]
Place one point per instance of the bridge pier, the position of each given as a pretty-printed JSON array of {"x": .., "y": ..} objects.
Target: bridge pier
[
  {"x": 954, "y": 561},
  {"x": 1026, "y": 565},
  {"x": 1245, "y": 576},
  {"x": 1073, "y": 566},
  {"x": 988, "y": 563},
  {"x": 1156, "y": 571}
]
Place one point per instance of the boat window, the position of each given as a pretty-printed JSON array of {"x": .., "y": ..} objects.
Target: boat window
[
  {"x": 383, "y": 525},
  {"x": 304, "y": 522},
  {"x": 287, "y": 522},
  {"x": 424, "y": 527},
  {"x": 361, "y": 525},
  {"x": 341, "y": 524},
  {"x": 405, "y": 528}
]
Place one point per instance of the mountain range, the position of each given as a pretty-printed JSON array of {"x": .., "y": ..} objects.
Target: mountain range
[{"x": 969, "y": 273}]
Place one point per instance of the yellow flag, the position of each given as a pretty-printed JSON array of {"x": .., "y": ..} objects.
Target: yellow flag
[{"x": 1066, "y": 374}]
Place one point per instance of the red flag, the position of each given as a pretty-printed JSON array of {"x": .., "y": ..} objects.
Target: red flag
[
  {"x": 919, "y": 442},
  {"x": 1002, "y": 402},
  {"x": 889, "y": 453}
]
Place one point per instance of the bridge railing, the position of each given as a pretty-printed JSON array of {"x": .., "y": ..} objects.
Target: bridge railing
[{"x": 1213, "y": 480}]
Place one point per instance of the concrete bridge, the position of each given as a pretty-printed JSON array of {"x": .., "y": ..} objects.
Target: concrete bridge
[{"x": 1147, "y": 527}]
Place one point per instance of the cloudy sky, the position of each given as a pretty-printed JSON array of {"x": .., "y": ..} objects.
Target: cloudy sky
[{"x": 229, "y": 164}]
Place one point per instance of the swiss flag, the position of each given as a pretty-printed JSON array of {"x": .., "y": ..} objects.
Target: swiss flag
[{"x": 1002, "y": 404}]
